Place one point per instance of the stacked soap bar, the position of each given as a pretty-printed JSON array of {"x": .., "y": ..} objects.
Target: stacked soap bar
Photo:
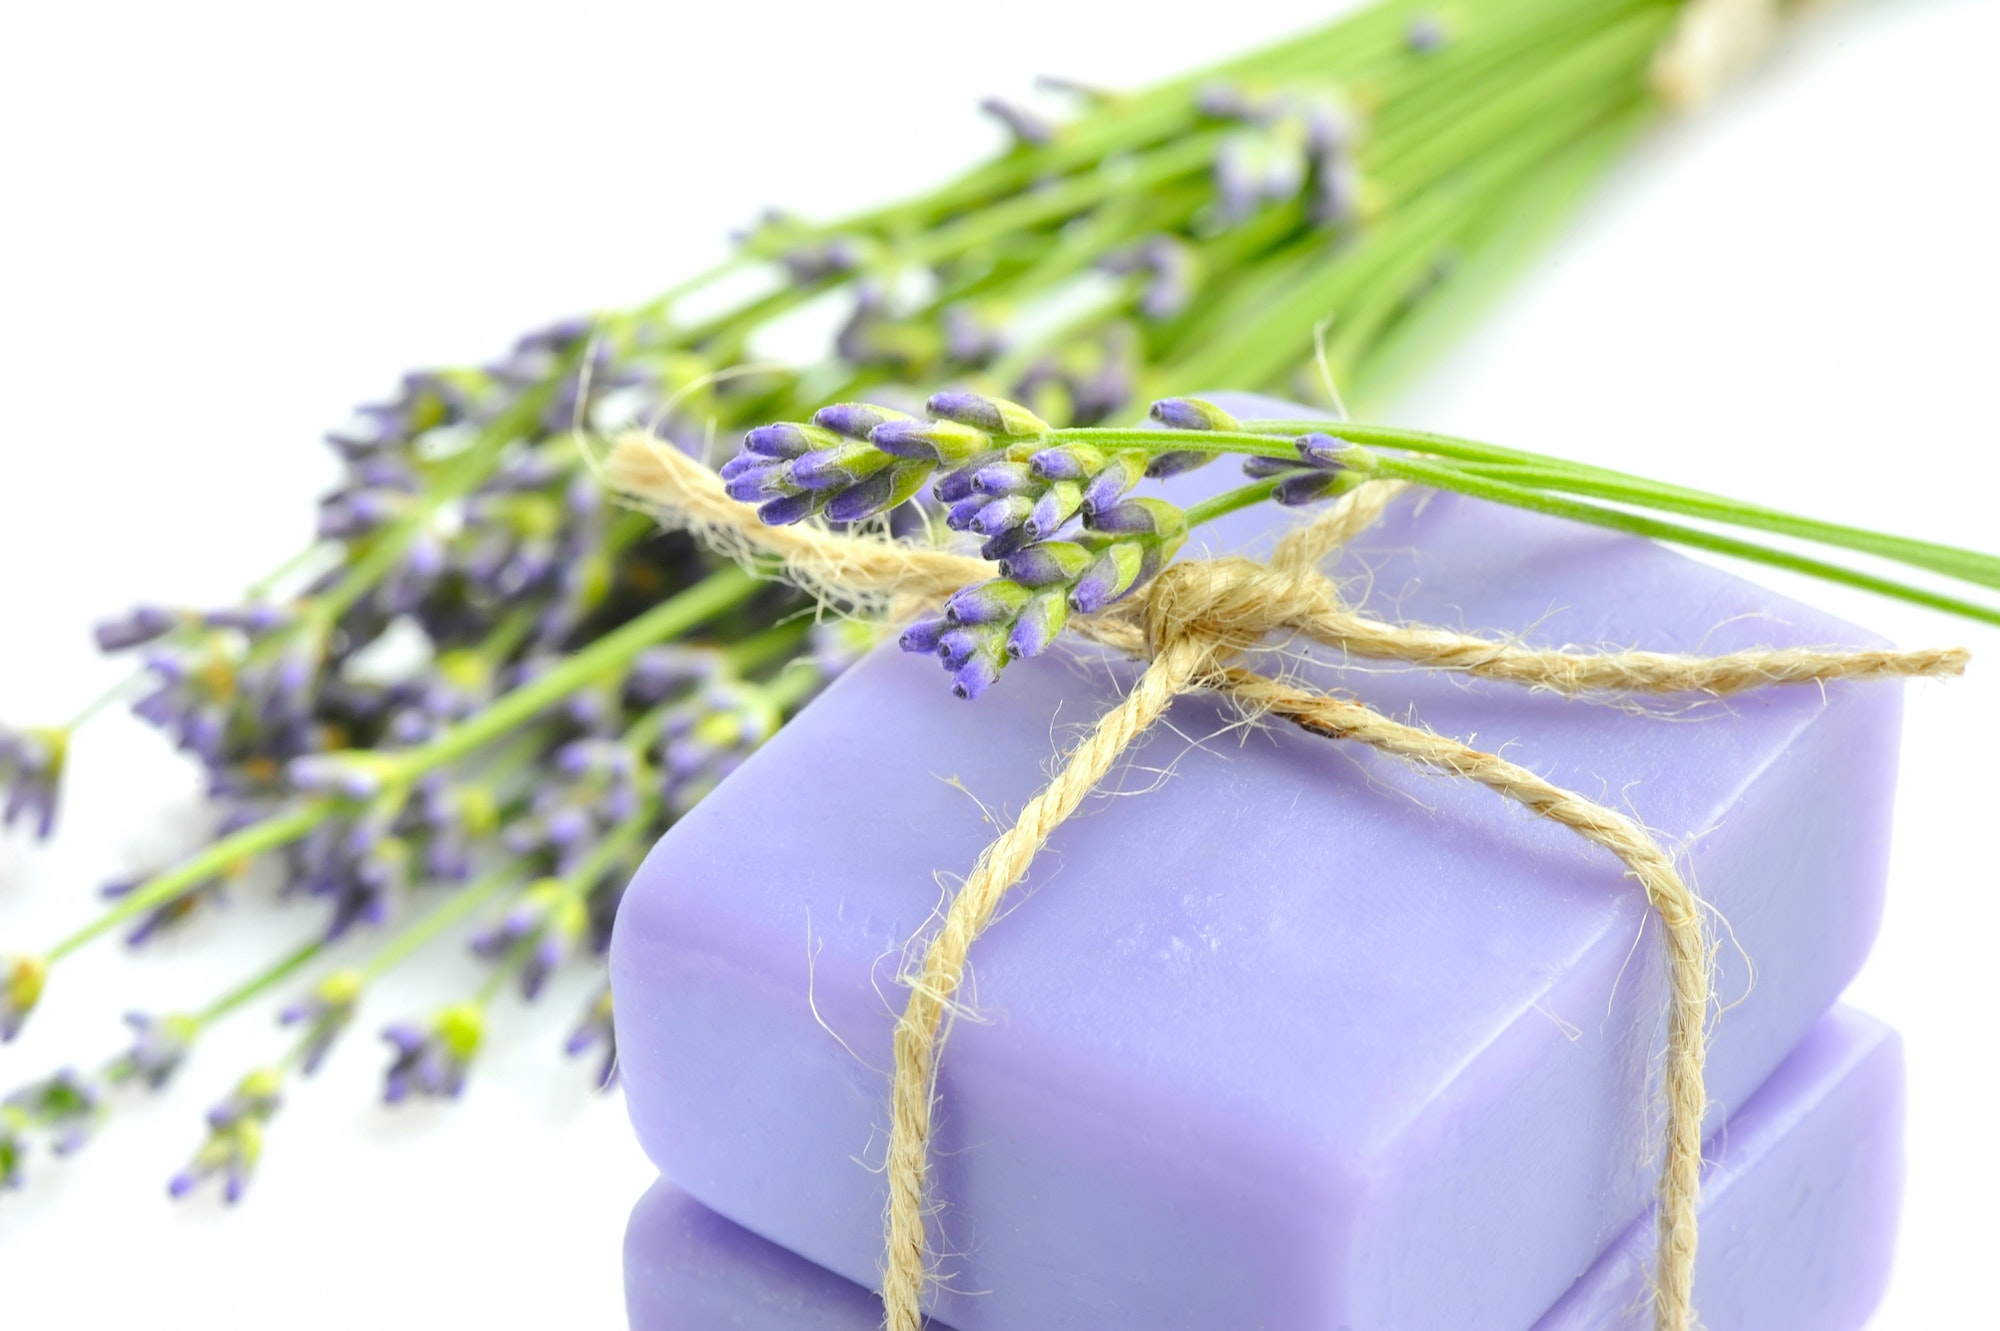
[
  {"x": 1278, "y": 1033},
  {"x": 1826, "y": 1126}
]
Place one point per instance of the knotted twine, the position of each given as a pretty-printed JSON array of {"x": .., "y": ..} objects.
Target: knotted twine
[{"x": 1191, "y": 624}]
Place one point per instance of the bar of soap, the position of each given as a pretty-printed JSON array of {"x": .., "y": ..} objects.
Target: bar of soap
[
  {"x": 1278, "y": 1033},
  {"x": 1827, "y": 1128}
]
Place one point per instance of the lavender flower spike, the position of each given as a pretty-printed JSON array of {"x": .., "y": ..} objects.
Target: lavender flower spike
[
  {"x": 1192, "y": 413},
  {"x": 31, "y": 768},
  {"x": 235, "y": 1137},
  {"x": 434, "y": 1062},
  {"x": 21, "y": 982},
  {"x": 135, "y": 628},
  {"x": 994, "y": 415},
  {"x": 159, "y": 1046},
  {"x": 325, "y": 1013}
]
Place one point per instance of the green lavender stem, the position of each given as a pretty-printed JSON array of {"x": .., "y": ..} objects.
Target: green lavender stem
[
  {"x": 261, "y": 983},
  {"x": 275, "y": 831}
]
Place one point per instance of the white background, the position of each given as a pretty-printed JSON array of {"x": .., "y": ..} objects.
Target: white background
[{"x": 221, "y": 225}]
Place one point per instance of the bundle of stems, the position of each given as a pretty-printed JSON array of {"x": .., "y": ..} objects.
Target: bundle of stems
[{"x": 482, "y": 690}]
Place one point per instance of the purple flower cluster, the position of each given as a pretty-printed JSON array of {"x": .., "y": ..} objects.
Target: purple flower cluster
[
  {"x": 432, "y": 1061},
  {"x": 1001, "y": 480},
  {"x": 1291, "y": 145},
  {"x": 540, "y": 932},
  {"x": 31, "y": 766},
  {"x": 324, "y": 1013},
  {"x": 235, "y": 1138},
  {"x": 159, "y": 1047}
]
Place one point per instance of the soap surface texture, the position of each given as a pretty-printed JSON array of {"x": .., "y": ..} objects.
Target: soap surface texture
[{"x": 1827, "y": 1127}]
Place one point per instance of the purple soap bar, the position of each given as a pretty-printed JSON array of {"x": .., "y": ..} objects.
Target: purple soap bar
[
  {"x": 1827, "y": 1127},
  {"x": 1278, "y": 1033}
]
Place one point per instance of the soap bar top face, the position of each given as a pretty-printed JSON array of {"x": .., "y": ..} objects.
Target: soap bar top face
[
  {"x": 1827, "y": 1126},
  {"x": 1277, "y": 1031}
]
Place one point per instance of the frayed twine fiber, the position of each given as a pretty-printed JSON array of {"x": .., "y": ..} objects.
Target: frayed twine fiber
[{"x": 1190, "y": 624}]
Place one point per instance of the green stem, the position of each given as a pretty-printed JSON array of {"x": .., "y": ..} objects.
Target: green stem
[
  {"x": 1458, "y": 481},
  {"x": 275, "y": 831},
  {"x": 263, "y": 982}
]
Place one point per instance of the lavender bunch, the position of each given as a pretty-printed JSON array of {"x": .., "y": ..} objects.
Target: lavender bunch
[
  {"x": 1017, "y": 483},
  {"x": 480, "y": 690}
]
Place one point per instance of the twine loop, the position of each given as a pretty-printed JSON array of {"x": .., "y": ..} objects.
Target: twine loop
[{"x": 1190, "y": 624}]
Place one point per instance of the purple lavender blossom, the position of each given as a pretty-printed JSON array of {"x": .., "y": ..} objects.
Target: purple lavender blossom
[
  {"x": 1168, "y": 264},
  {"x": 136, "y": 627},
  {"x": 1319, "y": 472},
  {"x": 31, "y": 769},
  {"x": 235, "y": 1138},
  {"x": 159, "y": 1047},
  {"x": 433, "y": 1062},
  {"x": 325, "y": 1013},
  {"x": 542, "y": 931},
  {"x": 707, "y": 736}
]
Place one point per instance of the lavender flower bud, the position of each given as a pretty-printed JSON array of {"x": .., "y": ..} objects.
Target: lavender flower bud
[
  {"x": 1068, "y": 462},
  {"x": 992, "y": 602},
  {"x": 961, "y": 515},
  {"x": 1307, "y": 486},
  {"x": 885, "y": 490},
  {"x": 1048, "y": 564},
  {"x": 1116, "y": 572},
  {"x": 847, "y": 464},
  {"x": 754, "y": 485},
  {"x": 994, "y": 415},
  {"x": 980, "y": 670},
  {"x": 1324, "y": 450},
  {"x": 1057, "y": 505},
  {"x": 1041, "y": 620},
  {"x": 1162, "y": 465},
  {"x": 138, "y": 626},
  {"x": 784, "y": 511},
  {"x": 1005, "y": 478},
  {"x": 785, "y": 441},
  {"x": 1192, "y": 413},
  {"x": 946, "y": 443},
  {"x": 1000, "y": 516},
  {"x": 1121, "y": 472},
  {"x": 956, "y": 486},
  {"x": 854, "y": 420},
  {"x": 923, "y": 636}
]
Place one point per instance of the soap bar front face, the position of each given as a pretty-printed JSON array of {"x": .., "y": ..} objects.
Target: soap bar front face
[
  {"x": 1277, "y": 1032},
  {"x": 1827, "y": 1126}
]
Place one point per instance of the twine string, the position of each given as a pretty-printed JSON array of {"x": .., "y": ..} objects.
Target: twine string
[{"x": 1189, "y": 625}]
